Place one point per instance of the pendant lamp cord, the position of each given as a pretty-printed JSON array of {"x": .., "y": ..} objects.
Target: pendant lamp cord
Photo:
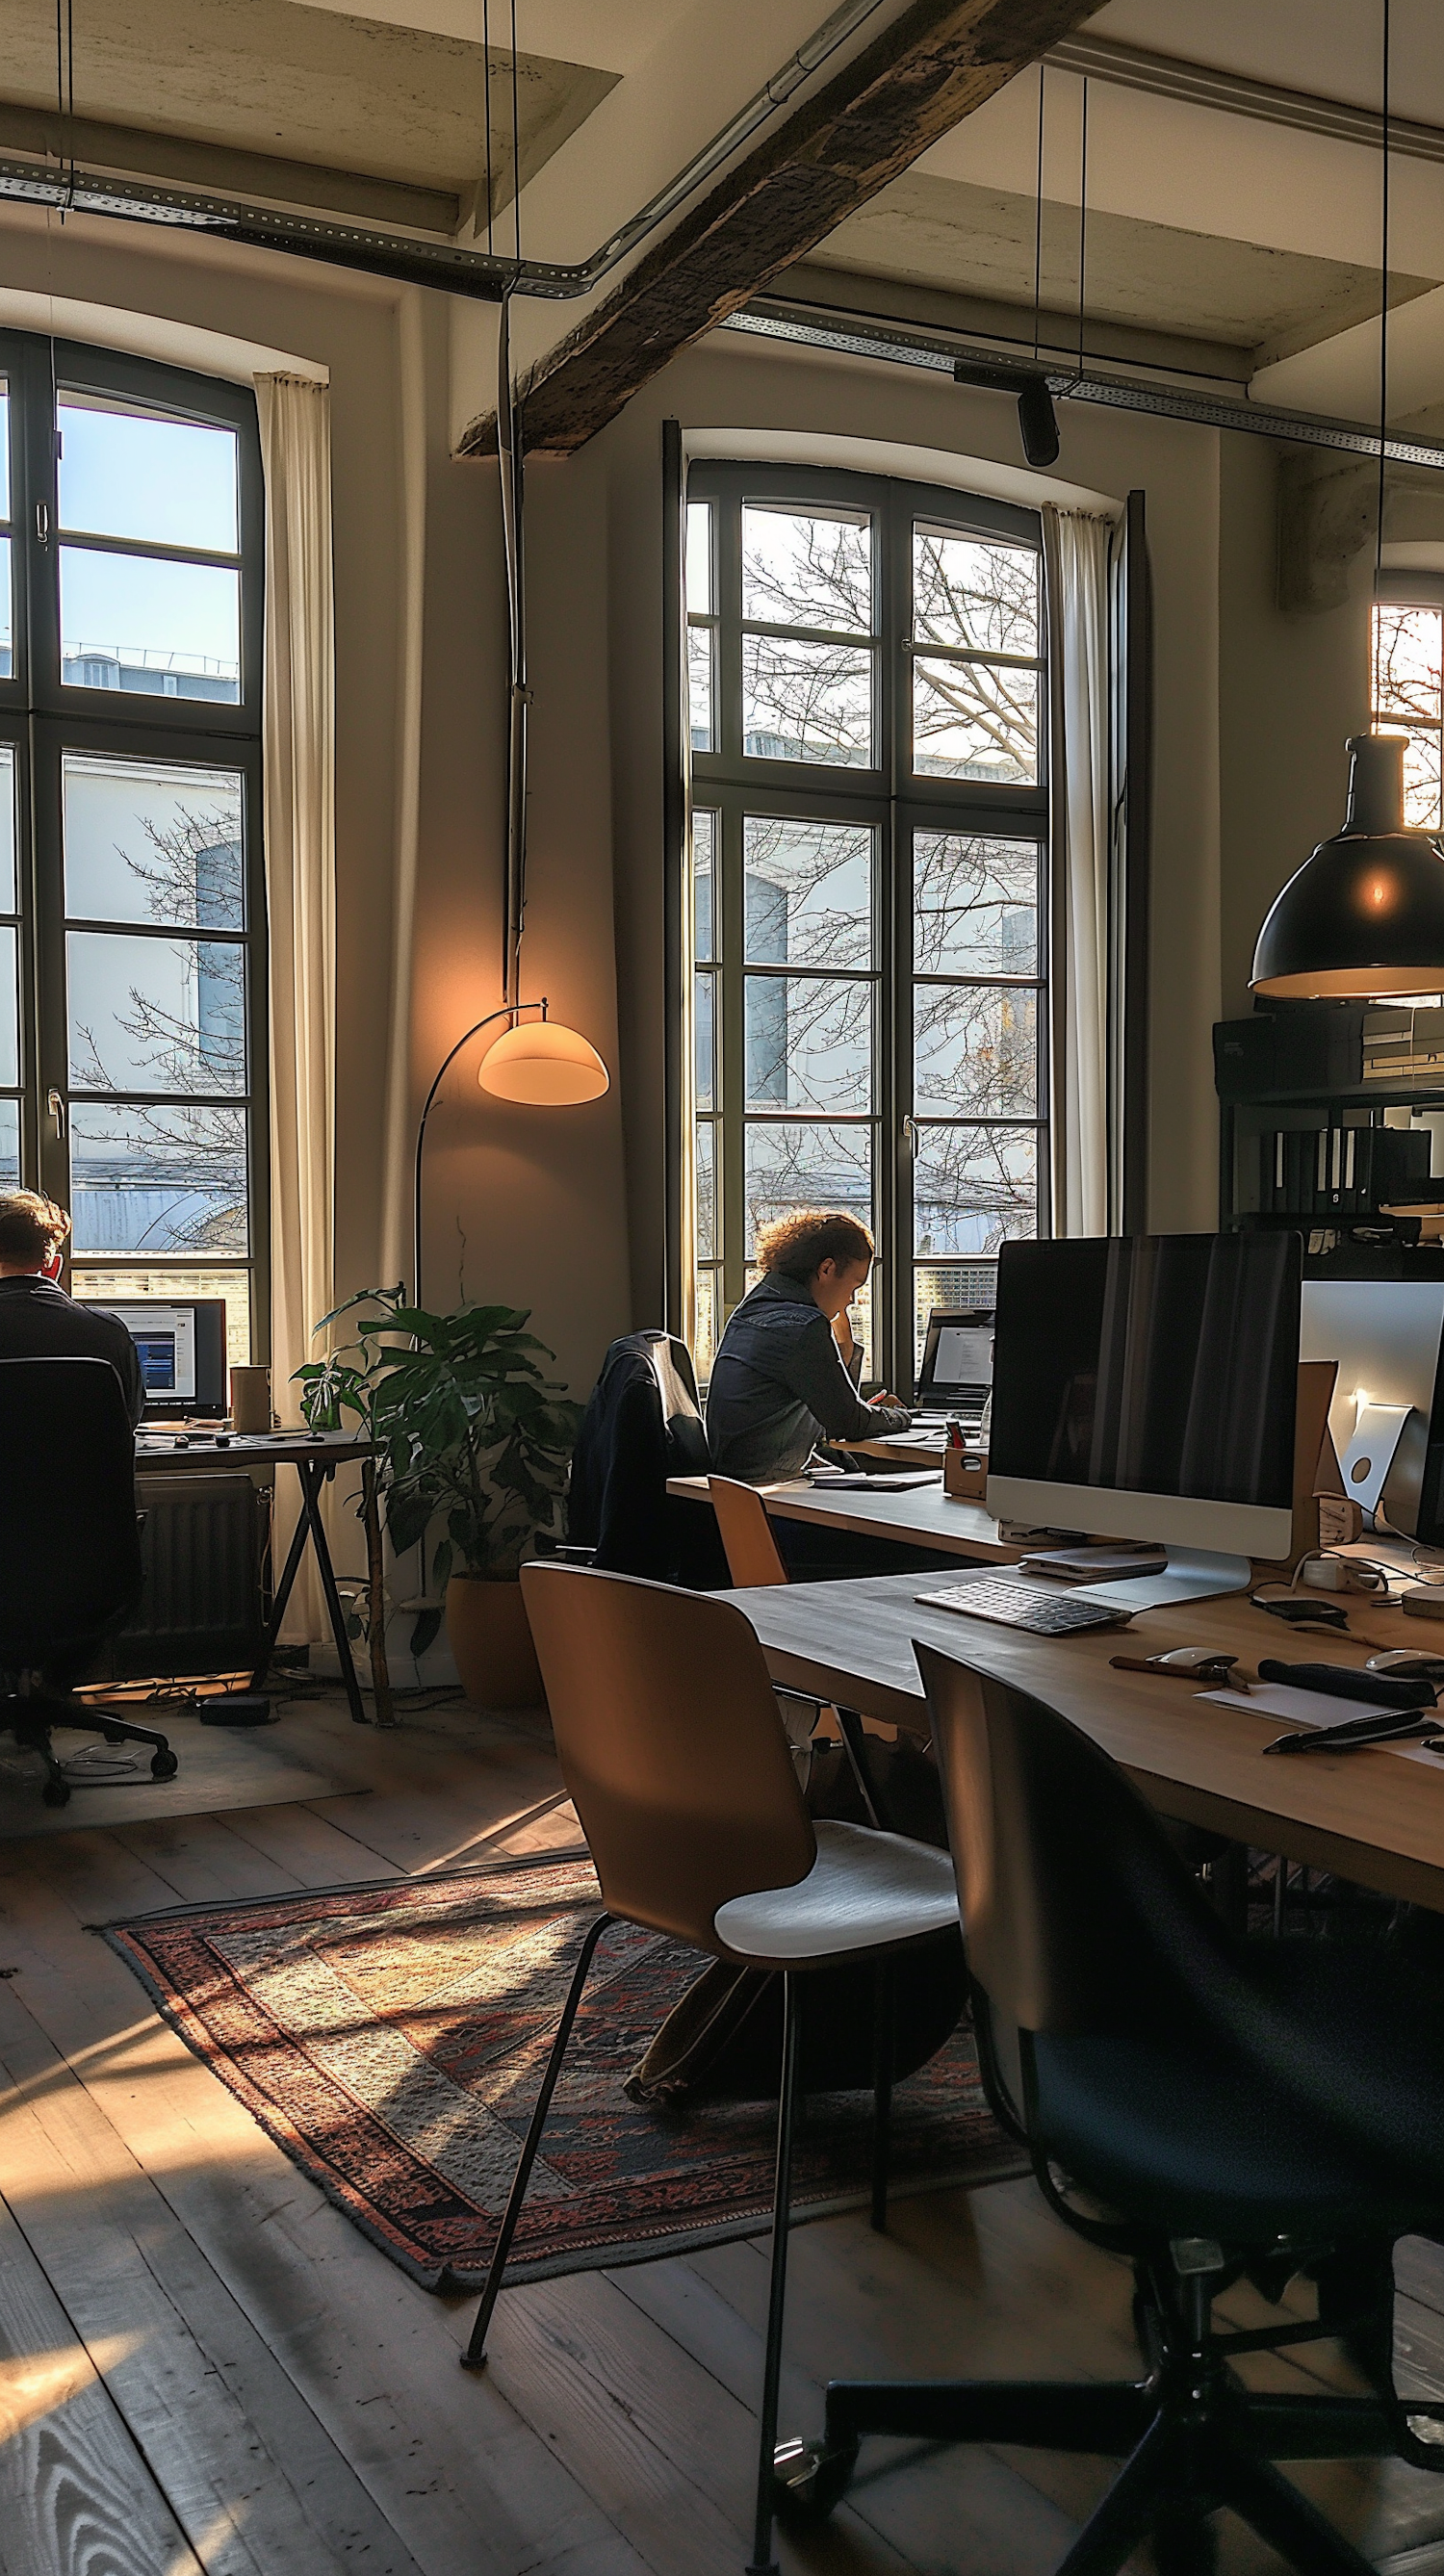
[
  {"x": 1083, "y": 216},
  {"x": 486, "y": 90},
  {"x": 1038, "y": 228},
  {"x": 1383, "y": 314}
]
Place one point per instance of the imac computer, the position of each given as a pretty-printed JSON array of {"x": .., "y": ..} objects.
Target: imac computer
[
  {"x": 1145, "y": 1387},
  {"x": 1387, "y": 1336},
  {"x": 182, "y": 1356}
]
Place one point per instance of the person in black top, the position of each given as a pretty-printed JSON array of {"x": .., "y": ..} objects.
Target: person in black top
[
  {"x": 37, "y": 1319},
  {"x": 786, "y": 1372}
]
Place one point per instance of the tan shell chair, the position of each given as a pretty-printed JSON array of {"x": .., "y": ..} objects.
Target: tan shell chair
[
  {"x": 755, "y": 1560},
  {"x": 675, "y": 1758}
]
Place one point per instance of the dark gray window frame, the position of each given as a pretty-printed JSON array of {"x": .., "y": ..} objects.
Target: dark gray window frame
[
  {"x": 44, "y": 718},
  {"x": 890, "y": 797}
]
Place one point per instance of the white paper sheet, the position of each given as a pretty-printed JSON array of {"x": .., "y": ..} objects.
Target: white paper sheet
[{"x": 1320, "y": 1708}]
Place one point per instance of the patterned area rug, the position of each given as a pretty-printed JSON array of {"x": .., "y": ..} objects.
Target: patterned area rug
[{"x": 391, "y": 2039}]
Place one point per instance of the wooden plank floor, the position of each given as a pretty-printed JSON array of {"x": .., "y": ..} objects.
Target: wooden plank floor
[{"x": 205, "y": 2370}]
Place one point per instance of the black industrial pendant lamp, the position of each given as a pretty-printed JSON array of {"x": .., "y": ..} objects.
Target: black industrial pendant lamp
[{"x": 1363, "y": 919}]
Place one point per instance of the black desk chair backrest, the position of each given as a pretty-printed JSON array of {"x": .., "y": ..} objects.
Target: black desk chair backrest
[
  {"x": 70, "y": 1562},
  {"x": 1079, "y": 1915},
  {"x": 643, "y": 1423}
]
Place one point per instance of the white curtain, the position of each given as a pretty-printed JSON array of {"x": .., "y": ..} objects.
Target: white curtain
[
  {"x": 1076, "y": 547},
  {"x": 298, "y": 753}
]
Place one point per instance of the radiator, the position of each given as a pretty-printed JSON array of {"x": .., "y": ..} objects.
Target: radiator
[{"x": 202, "y": 1607}]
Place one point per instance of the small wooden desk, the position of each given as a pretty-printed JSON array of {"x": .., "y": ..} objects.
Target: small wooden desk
[
  {"x": 923, "y": 1516},
  {"x": 1375, "y": 1817},
  {"x": 315, "y": 1455}
]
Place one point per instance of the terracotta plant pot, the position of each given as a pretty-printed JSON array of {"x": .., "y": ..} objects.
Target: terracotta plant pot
[{"x": 486, "y": 1629}]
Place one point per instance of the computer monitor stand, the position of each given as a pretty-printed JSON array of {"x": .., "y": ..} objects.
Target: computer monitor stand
[{"x": 1194, "y": 1574}]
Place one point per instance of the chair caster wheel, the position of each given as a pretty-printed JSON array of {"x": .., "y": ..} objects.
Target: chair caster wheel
[
  {"x": 164, "y": 1766},
  {"x": 809, "y": 2479},
  {"x": 56, "y": 1793},
  {"x": 114, "y": 1734}
]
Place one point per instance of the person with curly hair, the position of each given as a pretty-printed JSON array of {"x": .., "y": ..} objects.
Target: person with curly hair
[{"x": 785, "y": 1375}]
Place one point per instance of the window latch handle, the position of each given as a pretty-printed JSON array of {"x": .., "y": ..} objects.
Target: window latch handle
[
  {"x": 910, "y": 1136},
  {"x": 56, "y": 1107},
  {"x": 42, "y": 522}
]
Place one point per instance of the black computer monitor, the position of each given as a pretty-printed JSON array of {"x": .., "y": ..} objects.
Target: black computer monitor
[
  {"x": 1145, "y": 1387},
  {"x": 182, "y": 1346},
  {"x": 957, "y": 1361}
]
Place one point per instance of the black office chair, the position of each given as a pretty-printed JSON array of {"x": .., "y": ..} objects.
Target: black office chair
[
  {"x": 70, "y": 1566},
  {"x": 1267, "y": 2110}
]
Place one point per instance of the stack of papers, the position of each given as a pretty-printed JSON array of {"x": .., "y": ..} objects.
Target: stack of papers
[{"x": 1316, "y": 1708}]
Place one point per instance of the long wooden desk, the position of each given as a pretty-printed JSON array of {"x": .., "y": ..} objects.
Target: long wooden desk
[
  {"x": 1375, "y": 1817},
  {"x": 923, "y": 1516}
]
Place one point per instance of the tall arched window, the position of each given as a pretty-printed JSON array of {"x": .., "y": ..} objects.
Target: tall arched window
[
  {"x": 132, "y": 987},
  {"x": 868, "y": 881}
]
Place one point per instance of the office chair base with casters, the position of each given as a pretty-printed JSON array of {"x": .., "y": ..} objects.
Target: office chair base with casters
[
  {"x": 30, "y": 1716},
  {"x": 1192, "y": 2440}
]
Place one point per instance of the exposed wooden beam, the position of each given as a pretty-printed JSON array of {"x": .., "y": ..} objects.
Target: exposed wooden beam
[{"x": 922, "y": 76}]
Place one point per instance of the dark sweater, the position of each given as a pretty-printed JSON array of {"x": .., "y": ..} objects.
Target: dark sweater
[
  {"x": 780, "y": 1384},
  {"x": 39, "y": 1322}
]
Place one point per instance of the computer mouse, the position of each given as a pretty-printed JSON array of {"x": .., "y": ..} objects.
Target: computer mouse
[
  {"x": 1188, "y": 1658},
  {"x": 1406, "y": 1666}
]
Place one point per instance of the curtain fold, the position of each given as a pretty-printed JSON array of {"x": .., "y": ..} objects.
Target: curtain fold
[
  {"x": 298, "y": 753},
  {"x": 1076, "y": 545}
]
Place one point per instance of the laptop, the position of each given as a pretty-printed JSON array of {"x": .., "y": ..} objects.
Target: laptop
[{"x": 956, "y": 1375}]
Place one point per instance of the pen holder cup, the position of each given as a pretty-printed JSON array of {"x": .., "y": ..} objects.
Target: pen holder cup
[
  {"x": 965, "y": 1475},
  {"x": 250, "y": 1399}
]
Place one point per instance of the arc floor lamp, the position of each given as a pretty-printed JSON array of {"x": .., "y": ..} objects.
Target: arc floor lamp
[{"x": 542, "y": 1062}]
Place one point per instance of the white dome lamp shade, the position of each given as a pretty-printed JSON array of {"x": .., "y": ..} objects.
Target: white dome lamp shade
[{"x": 544, "y": 1063}]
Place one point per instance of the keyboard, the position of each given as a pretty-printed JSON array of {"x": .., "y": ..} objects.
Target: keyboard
[{"x": 1019, "y": 1605}]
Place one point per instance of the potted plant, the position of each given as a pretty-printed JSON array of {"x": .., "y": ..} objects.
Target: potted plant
[{"x": 469, "y": 1435}]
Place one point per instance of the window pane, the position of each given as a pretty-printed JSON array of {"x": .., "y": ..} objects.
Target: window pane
[
  {"x": 806, "y": 702},
  {"x": 975, "y": 720},
  {"x": 123, "y": 1287},
  {"x": 1407, "y": 662},
  {"x": 952, "y": 1283},
  {"x": 129, "y": 474},
  {"x": 705, "y": 1343},
  {"x": 809, "y": 1043},
  {"x": 791, "y": 1166},
  {"x": 156, "y": 1014},
  {"x": 978, "y": 597},
  {"x": 807, "y": 568},
  {"x": 166, "y": 630},
  {"x": 974, "y": 1188},
  {"x": 10, "y": 1143},
  {"x": 705, "y": 1169},
  {"x": 704, "y": 846},
  {"x": 701, "y": 657},
  {"x": 9, "y": 1013},
  {"x": 975, "y": 905},
  {"x": 155, "y": 1180},
  {"x": 152, "y": 841},
  {"x": 7, "y": 828},
  {"x": 1421, "y": 778},
  {"x": 7, "y": 627},
  {"x": 4, "y": 449},
  {"x": 699, "y": 558},
  {"x": 807, "y": 892},
  {"x": 975, "y": 1050},
  {"x": 706, "y": 1076}
]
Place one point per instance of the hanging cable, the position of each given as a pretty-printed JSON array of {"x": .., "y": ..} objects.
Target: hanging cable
[
  {"x": 1082, "y": 219},
  {"x": 1383, "y": 313},
  {"x": 1038, "y": 226},
  {"x": 486, "y": 99},
  {"x": 509, "y": 456}
]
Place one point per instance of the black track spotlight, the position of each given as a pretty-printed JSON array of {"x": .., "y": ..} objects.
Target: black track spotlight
[{"x": 1037, "y": 420}]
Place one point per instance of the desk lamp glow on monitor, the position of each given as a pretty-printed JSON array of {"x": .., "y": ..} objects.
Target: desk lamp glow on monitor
[{"x": 1144, "y": 1387}]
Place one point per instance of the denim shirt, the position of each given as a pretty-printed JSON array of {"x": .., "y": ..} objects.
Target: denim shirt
[{"x": 780, "y": 1384}]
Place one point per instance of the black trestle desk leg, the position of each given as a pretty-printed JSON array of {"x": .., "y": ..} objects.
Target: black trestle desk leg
[
  {"x": 313, "y": 1476},
  {"x": 762, "y": 2562},
  {"x": 289, "y": 1571}
]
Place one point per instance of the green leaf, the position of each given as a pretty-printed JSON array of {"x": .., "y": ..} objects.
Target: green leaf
[{"x": 425, "y": 1632}]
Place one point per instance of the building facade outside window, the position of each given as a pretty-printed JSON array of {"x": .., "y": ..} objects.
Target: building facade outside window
[
  {"x": 1408, "y": 690},
  {"x": 132, "y": 962},
  {"x": 867, "y": 900}
]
